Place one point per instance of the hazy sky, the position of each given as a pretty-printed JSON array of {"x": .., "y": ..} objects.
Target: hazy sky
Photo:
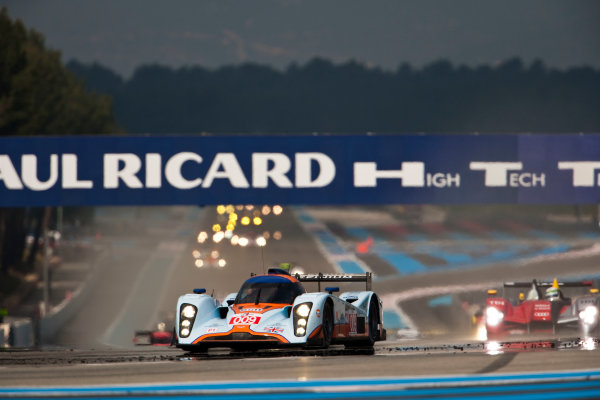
[{"x": 123, "y": 34}]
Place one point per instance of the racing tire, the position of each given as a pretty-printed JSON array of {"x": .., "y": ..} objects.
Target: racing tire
[{"x": 327, "y": 326}]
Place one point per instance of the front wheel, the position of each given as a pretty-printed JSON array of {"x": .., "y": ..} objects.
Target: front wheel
[{"x": 327, "y": 326}]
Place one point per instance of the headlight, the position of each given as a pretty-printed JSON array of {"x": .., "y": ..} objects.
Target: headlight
[
  {"x": 188, "y": 311},
  {"x": 303, "y": 310},
  {"x": 589, "y": 315},
  {"x": 186, "y": 319},
  {"x": 301, "y": 313},
  {"x": 493, "y": 316}
]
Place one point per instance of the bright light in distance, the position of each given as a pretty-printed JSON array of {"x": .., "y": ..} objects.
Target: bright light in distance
[
  {"x": 589, "y": 343},
  {"x": 216, "y": 228},
  {"x": 239, "y": 207},
  {"x": 234, "y": 240},
  {"x": 199, "y": 263},
  {"x": 202, "y": 236},
  {"x": 266, "y": 234},
  {"x": 589, "y": 315},
  {"x": 297, "y": 270},
  {"x": 493, "y": 348},
  {"x": 261, "y": 241},
  {"x": 249, "y": 207},
  {"x": 222, "y": 262},
  {"x": 221, "y": 209},
  {"x": 233, "y": 217},
  {"x": 214, "y": 254},
  {"x": 217, "y": 237},
  {"x": 277, "y": 235},
  {"x": 229, "y": 209},
  {"x": 245, "y": 220},
  {"x": 277, "y": 210},
  {"x": 493, "y": 316},
  {"x": 257, "y": 220},
  {"x": 228, "y": 234},
  {"x": 266, "y": 210},
  {"x": 196, "y": 254},
  {"x": 243, "y": 242}
]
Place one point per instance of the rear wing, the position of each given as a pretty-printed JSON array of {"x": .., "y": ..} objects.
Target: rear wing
[
  {"x": 547, "y": 284},
  {"x": 320, "y": 277}
]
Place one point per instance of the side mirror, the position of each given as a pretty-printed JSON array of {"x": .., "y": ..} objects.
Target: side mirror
[{"x": 230, "y": 301}]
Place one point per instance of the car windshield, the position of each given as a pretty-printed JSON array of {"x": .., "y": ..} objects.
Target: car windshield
[{"x": 283, "y": 292}]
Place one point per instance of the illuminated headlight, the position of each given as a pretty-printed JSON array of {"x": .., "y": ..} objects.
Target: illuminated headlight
[
  {"x": 303, "y": 310},
  {"x": 301, "y": 313},
  {"x": 589, "y": 315},
  {"x": 186, "y": 320},
  {"x": 493, "y": 316},
  {"x": 188, "y": 311}
]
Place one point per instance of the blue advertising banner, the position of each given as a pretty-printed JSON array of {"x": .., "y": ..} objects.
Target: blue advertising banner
[{"x": 366, "y": 169}]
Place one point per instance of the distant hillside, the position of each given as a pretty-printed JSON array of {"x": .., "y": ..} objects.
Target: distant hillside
[{"x": 350, "y": 98}]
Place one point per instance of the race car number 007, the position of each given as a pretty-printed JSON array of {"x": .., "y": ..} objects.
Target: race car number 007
[{"x": 244, "y": 320}]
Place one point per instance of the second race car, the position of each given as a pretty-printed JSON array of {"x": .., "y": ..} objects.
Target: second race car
[
  {"x": 543, "y": 309},
  {"x": 275, "y": 310}
]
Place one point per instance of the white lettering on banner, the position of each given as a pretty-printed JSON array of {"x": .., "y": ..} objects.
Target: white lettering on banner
[
  {"x": 440, "y": 180},
  {"x": 29, "y": 172},
  {"x": 173, "y": 170},
  {"x": 495, "y": 172},
  {"x": 153, "y": 164},
  {"x": 304, "y": 170},
  {"x": 112, "y": 173},
  {"x": 70, "y": 179},
  {"x": 412, "y": 174},
  {"x": 261, "y": 172},
  {"x": 584, "y": 172},
  {"x": 231, "y": 170},
  {"x": 8, "y": 173}
]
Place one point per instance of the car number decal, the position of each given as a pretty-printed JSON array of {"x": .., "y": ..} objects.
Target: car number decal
[{"x": 244, "y": 320}]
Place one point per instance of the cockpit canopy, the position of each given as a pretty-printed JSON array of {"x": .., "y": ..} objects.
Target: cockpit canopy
[{"x": 269, "y": 289}]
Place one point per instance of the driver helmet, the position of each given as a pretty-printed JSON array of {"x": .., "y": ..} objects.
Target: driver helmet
[{"x": 552, "y": 293}]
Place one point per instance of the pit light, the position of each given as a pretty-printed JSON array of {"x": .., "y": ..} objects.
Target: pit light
[
  {"x": 589, "y": 315},
  {"x": 493, "y": 316},
  {"x": 222, "y": 263}
]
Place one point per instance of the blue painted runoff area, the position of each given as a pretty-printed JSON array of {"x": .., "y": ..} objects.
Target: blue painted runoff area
[
  {"x": 541, "y": 385},
  {"x": 392, "y": 321},
  {"x": 440, "y": 301},
  {"x": 350, "y": 267}
]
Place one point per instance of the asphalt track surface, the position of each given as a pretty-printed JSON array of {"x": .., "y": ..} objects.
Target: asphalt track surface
[{"x": 147, "y": 263}]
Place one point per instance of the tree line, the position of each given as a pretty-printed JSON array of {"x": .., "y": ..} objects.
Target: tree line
[
  {"x": 350, "y": 98},
  {"x": 38, "y": 96}
]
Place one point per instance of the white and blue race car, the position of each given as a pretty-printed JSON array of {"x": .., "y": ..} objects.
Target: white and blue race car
[{"x": 274, "y": 310}]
